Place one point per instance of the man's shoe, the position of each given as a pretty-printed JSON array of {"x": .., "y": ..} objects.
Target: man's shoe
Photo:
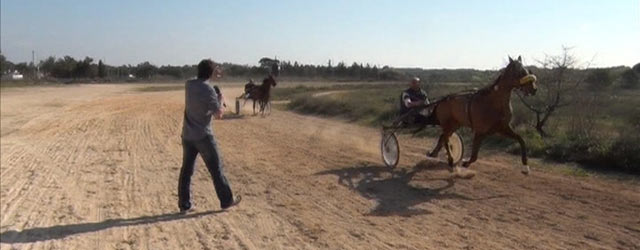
[
  {"x": 236, "y": 200},
  {"x": 185, "y": 208}
]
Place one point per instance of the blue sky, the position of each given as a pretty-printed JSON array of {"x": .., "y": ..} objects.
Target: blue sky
[{"x": 428, "y": 34}]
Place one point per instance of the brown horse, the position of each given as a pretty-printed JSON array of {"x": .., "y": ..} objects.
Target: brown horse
[
  {"x": 486, "y": 111},
  {"x": 262, "y": 94}
]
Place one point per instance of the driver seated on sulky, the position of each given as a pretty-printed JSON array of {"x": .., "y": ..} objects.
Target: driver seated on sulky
[
  {"x": 414, "y": 99},
  {"x": 247, "y": 89}
]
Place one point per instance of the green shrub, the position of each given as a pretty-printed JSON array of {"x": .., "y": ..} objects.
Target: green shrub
[
  {"x": 521, "y": 115},
  {"x": 629, "y": 80},
  {"x": 634, "y": 118},
  {"x": 536, "y": 145},
  {"x": 622, "y": 153},
  {"x": 571, "y": 149},
  {"x": 625, "y": 152},
  {"x": 636, "y": 68},
  {"x": 599, "y": 79}
]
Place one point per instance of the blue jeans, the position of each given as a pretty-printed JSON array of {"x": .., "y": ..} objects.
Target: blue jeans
[{"x": 209, "y": 152}]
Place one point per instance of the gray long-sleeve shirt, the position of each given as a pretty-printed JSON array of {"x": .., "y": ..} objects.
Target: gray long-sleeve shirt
[{"x": 201, "y": 102}]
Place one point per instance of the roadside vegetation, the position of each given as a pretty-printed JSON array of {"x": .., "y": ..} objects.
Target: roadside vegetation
[
  {"x": 601, "y": 130},
  {"x": 594, "y": 123}
]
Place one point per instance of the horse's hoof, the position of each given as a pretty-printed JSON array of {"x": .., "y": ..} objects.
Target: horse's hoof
[
  {"x": 468, "y": 174},
  {"x": 463, "y": 174},
  {"x": 525, "y": 170},
  {"x": 454, "y": 170},
  {"x": 466, "y": 163}
]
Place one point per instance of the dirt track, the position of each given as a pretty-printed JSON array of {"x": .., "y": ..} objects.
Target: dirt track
[{"x": 96, "y": 166}]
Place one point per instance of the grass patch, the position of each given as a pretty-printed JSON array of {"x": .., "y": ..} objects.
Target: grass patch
[
  {"x": 368, "y": 104},
  {"x": 21, "y": 84},
  {"x": 278, "y": 94},
  {"x": 160, "y": 88},
  {"x": 574, "y": 171},
  {"x": 362, "y": 105}
]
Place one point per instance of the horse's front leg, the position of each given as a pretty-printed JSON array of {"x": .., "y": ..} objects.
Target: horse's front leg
[
  {"x": 444, "y": 141},
  {"x": 269, "y": 107},
  {"x": 261, "y": 107},
  {"x": 254, "y": 107},
  {"x": 477, "y": 141},
  {"x": 508, "y": 132}
]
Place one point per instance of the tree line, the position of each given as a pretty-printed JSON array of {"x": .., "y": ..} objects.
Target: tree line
[{"x": 67, "y": 67}]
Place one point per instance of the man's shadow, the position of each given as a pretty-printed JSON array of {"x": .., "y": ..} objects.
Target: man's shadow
[
  {"x": 392, "y": 190},
  {"x": 232, "y": 116},
  {"x": 62, "y": 231}
]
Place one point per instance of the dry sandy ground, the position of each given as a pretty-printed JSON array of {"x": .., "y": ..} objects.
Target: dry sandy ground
[{"x": 96, "y": 166}]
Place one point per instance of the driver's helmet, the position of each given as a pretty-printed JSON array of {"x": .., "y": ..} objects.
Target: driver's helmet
[{"x": 415, "y": 80}]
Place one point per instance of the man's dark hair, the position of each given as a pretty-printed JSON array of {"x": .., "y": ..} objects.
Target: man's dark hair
[{"x": 205, "y": 69}]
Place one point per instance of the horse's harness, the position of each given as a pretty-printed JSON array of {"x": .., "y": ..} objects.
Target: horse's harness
[
  {"x": 468, "y": 107},
  {"x": 469, "y": 96}
]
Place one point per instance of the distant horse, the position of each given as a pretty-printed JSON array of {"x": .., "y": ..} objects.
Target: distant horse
[
  {"x": 260, "y": 93},
  {"x": 486, "y": 111}
]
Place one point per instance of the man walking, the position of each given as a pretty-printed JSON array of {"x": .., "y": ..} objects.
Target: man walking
[{"x": 201, "y": 102}]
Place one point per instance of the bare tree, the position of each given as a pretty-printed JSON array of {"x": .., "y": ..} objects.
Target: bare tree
[{"x": 558, "y": 77}]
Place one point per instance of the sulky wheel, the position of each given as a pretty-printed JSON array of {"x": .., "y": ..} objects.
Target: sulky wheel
[
  {"x": 390, "y": 149},
  {"x": 456, "y": 147}
]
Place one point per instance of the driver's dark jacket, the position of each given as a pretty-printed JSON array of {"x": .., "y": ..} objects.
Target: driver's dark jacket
[{"x": 414, "y": 96}]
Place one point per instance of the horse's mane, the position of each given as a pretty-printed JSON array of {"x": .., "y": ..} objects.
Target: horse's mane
[{"x": 490, "y": 87}]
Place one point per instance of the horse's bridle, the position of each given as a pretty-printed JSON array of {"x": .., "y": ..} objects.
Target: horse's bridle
[{"x": 526, "y": 80}]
